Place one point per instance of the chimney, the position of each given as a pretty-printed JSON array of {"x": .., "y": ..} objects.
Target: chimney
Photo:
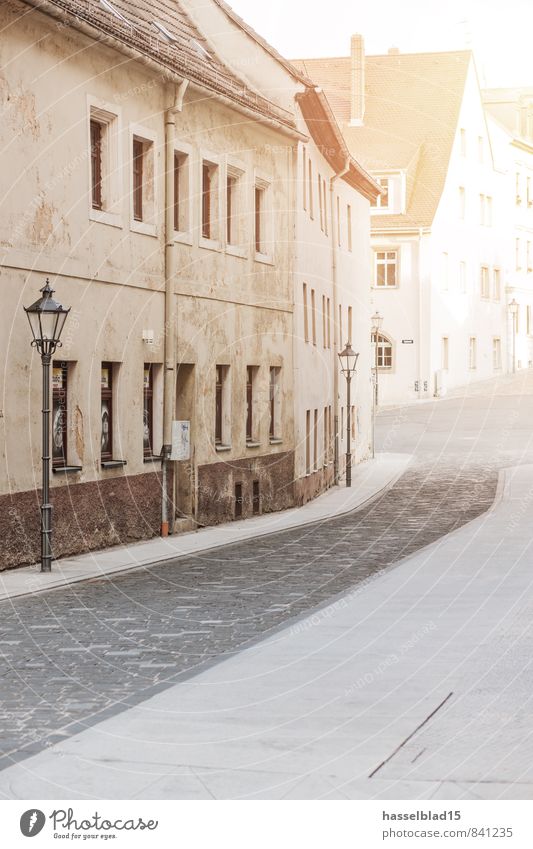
[{"x": 357, "y": 80}]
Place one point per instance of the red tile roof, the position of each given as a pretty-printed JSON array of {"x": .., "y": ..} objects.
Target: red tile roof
[
  {"x": 412, "y": 104},
  {"x": 185, "y": 52}
]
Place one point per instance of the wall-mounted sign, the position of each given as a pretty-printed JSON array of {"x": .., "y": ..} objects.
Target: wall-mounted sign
[
  {"x": 181, "y": 441},
  {"x": 407, "y": 341}
]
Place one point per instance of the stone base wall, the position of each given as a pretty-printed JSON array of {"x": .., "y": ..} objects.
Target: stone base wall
[
  {"x": 216, "y": 487},
  {"x": 85, "y": 516},
  {"x": 307, "y": 488}
]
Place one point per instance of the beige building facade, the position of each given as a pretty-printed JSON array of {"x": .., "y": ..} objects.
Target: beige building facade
[{"x": 156, "y": 187}]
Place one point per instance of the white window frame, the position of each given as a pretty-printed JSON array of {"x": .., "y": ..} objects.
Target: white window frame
[
  {"x": 387, "y": 250},
  {"x": 264, "y": 182},
  {"x": 472, "y": 353},
  {"x": 236, "y": 168},
  {"x": 110, "y": 115},
  {"x": 186, "y": 236},
  {"x": 212, "y": 244},
  {"x": 496, "y": 349},
  {"x": 148, "y": 226}
]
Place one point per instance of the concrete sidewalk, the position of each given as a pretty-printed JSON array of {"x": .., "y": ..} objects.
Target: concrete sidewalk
[
  {"x": 418, "y": 684},
  {"x": 368, "y": 480}
]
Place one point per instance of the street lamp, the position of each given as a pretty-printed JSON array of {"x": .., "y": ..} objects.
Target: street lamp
[
  {"x": 513, "y": 309},
  {"x": 47, "y": 318},
  {"x": 348, "y": 360},
  {"x": 377, "y": 321}
]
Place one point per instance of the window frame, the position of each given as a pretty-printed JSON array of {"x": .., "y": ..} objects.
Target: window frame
[
  {"x": 263, "y": 184},
  {"x": 185, "y": 151},
  {"x": 215, "y": 201},
  {"x": 148, "y": 139},
  {"x": 386, "y": 263},
  {"x": 148, "y": 401},
  {"x": 109, "y": 116},
  {"x": 60, "y": 397},
  {"x": 383, "y": 342},
  {"x": 106, "y": 394}
]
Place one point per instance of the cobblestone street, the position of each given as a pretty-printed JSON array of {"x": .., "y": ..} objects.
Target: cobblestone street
[{"x": 72, "y": 653}]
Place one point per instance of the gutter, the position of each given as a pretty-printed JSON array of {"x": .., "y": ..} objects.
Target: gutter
[{"x": 169, "y": 379}]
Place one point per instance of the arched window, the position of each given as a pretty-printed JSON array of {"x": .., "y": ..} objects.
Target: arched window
[{"x": 384, "y": 351}]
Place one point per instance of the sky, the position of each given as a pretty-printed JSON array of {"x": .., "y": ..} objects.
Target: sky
[{"x": 499, "y": 31}]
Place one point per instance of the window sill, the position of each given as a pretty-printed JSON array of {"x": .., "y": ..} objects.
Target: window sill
[
  {"x": 275, "y": 440},
  {"x": 101, "y": 216},
  {"x": 379, "y": 288},
  {"x": 222, "y": 447},
  {"x": 250, "y": 444},
  {"x": 143, "y": 228},
  {"x": 113, "y": 464},
  {"x": 265, "y": 259},
  {"x": 234, "y": 250},
  {"x": 66, "y": 470},
  {"x": 183, "y": 238},
  {"x": 209, "y": 244},
  {"x": 154, "y": 458}
]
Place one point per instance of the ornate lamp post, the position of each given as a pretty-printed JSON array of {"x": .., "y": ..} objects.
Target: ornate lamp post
[
  {"x": 377, "y": 321},
  {"x": 47, "y": 318},
  {"x": 513, "y": 309},
  {"x": 348, "y": 360}
]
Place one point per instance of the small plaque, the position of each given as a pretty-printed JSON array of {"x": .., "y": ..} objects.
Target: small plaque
[
  {"x": 181, "y": 441},
  {"x": 407, "y": 341}
]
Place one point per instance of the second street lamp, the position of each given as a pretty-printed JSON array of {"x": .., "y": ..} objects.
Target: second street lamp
[
  {"x": 47, "y": 318},
  {"x": 348, "y": 360},
  {"x": 377, "y": 321}
]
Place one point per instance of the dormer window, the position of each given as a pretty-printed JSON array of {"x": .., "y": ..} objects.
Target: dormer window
[{"x": 382, "y": 201}]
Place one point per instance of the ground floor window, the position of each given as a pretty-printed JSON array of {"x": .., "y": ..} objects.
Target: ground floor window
[
  {"x": 107, "y": 411},
  {"x": 59, "y": 413},
  {"x": 384, "y": 352}
]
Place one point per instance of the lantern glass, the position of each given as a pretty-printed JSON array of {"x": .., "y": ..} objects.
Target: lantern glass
[
  {"x": 348, "y": 360},
  {"x": 377, "y": 321},
  {"x": 47, "y": 318}
]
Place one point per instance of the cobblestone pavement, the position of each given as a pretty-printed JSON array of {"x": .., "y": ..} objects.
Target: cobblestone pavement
[{"x": 72, "y": 653}]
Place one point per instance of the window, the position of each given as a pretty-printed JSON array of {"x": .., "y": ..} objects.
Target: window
[
  {"x": 472, "y": 353},
  {"x": 210, "y": 198},
  {"x": 384, "y": 351},
  {"x": 306, "y": 317},
  {"x": 324, "y": 330},
  {"x": 249, "y": 402},
  {"x": 320, "y": 200},
  {"x": 261, "y": 219},
  {"x": 445, "y": 352},
  {"x": 181, "y": 192},
  {"x": 386, "y": 268},
  {"x": 310, "y": 185},
  {"x": 462, "y": 132},
  {"x": 338, "y": 221},
  {"x": 231, "y": 190},
  {"x": 462, "y": 202},
  {"x": 315, "y": 440},
  {"x": 485, "y": 287},
  {"x": 222, "y": 412},
  {"x": 326, "y": 439},
  {"x": 518, "y": 189},
  {"x": 496, "y": 353},
  {"x": 328, "y": 321},
  {"x": 304, "y": 178},
  {"x": 382, "y": 200},
  {"x": 529, "y": 196},
  {"x": 251, "y": 375},
  {"x": 105, "y": 192},
  {"x": 59, "y": 413},
  {"x": 313, "y": 315},
  {"x": 275, "y": 402},
  {"x": 518, "y": 255},
  {"x": 107, "y": 411},
  {"x": 256, "y": 498},
  {"x": 308, "y": 442},
  {"x": 482, "y": 209},
  {"x": 488, "y": 211},
  {"x": 143, "y": 207},
  {"x": 341, "y": 337},
  {"x": 148, "y": 410},
  {"x": 350, "y": 325},
  {"x": 97, "y": 130},
  {"x": 462, "y": 277},
  {"x": 349, "y": 225},
  {"x": 325, "y": 207},
  {"x": 497, "y": 284}
]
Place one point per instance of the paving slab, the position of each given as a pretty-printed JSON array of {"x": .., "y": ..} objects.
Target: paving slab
[
  {"x": 390, "y": 681},
  {"x": 369, "y": 478}
]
